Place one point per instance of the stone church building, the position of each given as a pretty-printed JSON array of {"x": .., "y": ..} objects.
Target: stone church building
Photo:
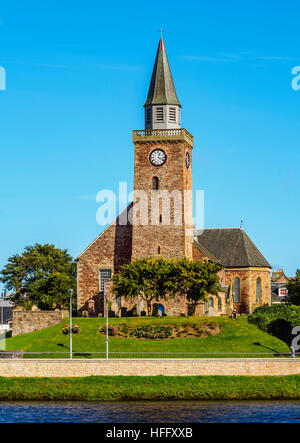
[{"x": 163, "y": 166}]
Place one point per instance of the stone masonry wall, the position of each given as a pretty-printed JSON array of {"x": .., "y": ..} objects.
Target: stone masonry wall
[
  {"x": 110, "y": 250},
  {"x": 148, "y": 367},
  {"x": 30, "y": 321},
  {"x": 173, "y": 240},
  {"x": 248, "y": 277}
]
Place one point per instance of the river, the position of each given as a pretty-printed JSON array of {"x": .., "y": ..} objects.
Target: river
[{"x": 151, "y": 412}]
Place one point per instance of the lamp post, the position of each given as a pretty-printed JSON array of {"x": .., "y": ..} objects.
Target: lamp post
[
  {"x": 107, "y": 339},
  {"x": 71, "y": 343}
]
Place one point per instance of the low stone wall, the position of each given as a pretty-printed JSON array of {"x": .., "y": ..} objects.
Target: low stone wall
[
  {"x": 30, "y": 321},
  {"x": 84, "y": 368}
]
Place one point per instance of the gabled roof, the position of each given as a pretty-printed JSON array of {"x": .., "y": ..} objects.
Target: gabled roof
[
  {"x": 231, "y": 247},
  {"x": 162, "y": 89}
]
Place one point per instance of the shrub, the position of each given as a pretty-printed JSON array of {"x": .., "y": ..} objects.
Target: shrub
[
  {"x": 112, "y": 331},
  {"x": 76, "y": 329},
  {"x": 153, "y": 332},
  {"x": 277, "y": 320}
]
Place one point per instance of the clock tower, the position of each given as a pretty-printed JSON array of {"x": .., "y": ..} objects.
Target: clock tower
[{"x": 162, "y": 212}]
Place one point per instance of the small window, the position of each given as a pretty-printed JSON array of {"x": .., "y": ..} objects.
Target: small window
[
  {"x": 236, "y": 290},
  {"x": 211, "y": 302},
  {"x": 160, "y": 218},
  {"x": 105, "y": 274},
  {"x": 159, "y": 115},
  {"x": 258, "y": 289},
  {"x": 155, "y": 184},
  {"x": 172, "y": 115},
  {"x": 158, "y": 250}
]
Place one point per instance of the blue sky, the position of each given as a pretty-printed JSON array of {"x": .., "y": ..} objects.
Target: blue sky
[{"x": 77, "y": 77}]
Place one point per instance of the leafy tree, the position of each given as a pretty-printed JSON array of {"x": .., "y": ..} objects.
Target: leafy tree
[
  {"x": 294, "y": 289},
  {"x": 142, "y": 278},
  {"x": 42, "y": 275},
  {"x": 195, "y": 279},
  {"x": 161, "y": 278}
]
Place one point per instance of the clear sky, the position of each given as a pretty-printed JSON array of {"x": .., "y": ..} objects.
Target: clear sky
[{"x": 77, "y": 77}]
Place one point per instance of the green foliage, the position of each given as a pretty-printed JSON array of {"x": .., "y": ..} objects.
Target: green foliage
[
  {"x": 159, "y": 330},
  {"x": 135, "y": 388},
  {"x": 294, "y": 289},
  {"x": 153, "y": 332},
  {"x": 160, "y": 278},
  {"x": 112, "y": 331},
  {"x": 277, "y": 320},
  {"x": 42, "y": 275}
]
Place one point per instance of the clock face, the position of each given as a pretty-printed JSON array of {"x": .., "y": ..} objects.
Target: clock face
[
  {"x": 187, "y": 160},
  {"x": 158, "y": 157}
]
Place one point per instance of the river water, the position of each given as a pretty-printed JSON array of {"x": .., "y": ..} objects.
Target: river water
[{"x": 151, "y": 412}]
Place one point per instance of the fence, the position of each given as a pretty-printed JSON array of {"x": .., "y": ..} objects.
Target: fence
[{"x": 144, "y": 355}]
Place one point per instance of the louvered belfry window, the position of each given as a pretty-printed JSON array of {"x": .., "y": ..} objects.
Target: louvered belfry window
[
  {"x": 148, "y": 116},
  {"x": 105, "y": 274},
  {"x": 172, "y": 115},
  {"x": 159, "y": 115}
]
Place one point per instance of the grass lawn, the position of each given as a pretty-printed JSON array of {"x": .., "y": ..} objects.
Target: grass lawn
[
  {"x": 151, "y": 388},
  {"x": 237, "y": 336}
]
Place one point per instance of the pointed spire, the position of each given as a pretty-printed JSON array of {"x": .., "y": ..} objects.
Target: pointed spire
[{"x": 162, "y": 89}]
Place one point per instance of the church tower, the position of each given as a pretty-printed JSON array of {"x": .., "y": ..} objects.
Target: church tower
[{"x": 162, "y": 204}]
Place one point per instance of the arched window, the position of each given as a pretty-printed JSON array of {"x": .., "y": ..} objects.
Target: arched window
[
  {"x": 211, "y": 302},
  {"x": 258, "y": 289},
  {"x": 155, "y": 184},
  {"x": 236, "y": 290},
  {"x": 219, "y": 304},
  {"x": 158, "y": 249},
  {"x": 205, "y": 307}
]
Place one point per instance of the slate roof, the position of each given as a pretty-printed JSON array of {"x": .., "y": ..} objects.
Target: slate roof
[
  {"x": 231, "y": 247},
  {"x": 162, "y": 89}
]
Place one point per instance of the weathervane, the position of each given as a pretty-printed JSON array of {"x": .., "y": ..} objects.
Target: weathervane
[
  {"x": 161, "y": 32},
  {"x": 242, "y": 224}
]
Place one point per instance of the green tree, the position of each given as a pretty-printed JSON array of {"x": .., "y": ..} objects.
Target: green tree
[
  {"x": 142, "y": 278},
  {"x": 160, "y": 278},
  {"x": 195, "y": 279},
  {"x": 294, "y": 289},
  {"x": 42, "y": 275}
]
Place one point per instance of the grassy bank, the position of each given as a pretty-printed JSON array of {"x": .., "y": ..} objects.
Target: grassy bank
[
  {"x": 150, "y": 388},
  {"x": 237, "y": 336}
]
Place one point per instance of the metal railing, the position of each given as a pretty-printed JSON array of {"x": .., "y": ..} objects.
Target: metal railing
[
  {"x": 147, "y": 355},
  {"x": 159, "y": 133}
]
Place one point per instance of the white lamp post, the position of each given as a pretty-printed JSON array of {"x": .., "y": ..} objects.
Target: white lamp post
[
  {"x": 107, "y": 339},
  {"x": 71, "y": 344}
]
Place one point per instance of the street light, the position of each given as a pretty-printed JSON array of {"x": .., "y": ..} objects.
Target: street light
[
  {"x": 107, "y": 339},
  {"x": 71, "y": 344}
]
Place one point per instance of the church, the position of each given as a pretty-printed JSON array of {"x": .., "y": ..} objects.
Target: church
[{"x": 159, "y": 222}]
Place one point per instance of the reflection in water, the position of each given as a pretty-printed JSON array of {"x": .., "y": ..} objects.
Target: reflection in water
[{"x": 151, "y": 412}]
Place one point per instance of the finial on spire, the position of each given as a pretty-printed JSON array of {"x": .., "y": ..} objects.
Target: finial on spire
[
  {"x": 242, "y": 224},
  {"x": 161, "y": 32}
]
